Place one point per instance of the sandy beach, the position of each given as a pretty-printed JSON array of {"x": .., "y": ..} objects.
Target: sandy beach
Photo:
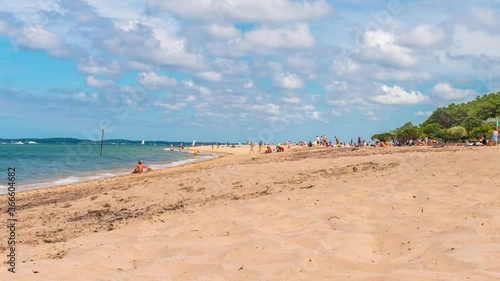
[{"x": 417, "y": 213}]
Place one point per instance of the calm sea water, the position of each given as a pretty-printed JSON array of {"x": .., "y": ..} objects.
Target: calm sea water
[{"x": 47, "y": 165}]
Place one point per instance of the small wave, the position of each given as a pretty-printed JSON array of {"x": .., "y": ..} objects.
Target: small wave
[
  {"x": 67, "y": 180},
  {"x": 201, "y": 157}
]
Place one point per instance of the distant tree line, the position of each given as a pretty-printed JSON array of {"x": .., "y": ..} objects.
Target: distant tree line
[{"x": 452, "y": 123}]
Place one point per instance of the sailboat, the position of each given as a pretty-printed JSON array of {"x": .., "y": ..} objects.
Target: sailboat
[{"x": 142, "y": 143}]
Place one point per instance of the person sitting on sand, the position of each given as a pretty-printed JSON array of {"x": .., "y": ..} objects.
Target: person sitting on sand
[
  {"x": 268, "y": 150},
  {"x": 140, "y": 167}
]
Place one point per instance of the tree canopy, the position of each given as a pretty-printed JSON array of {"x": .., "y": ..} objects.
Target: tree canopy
[{"x": 455, "y": 122}]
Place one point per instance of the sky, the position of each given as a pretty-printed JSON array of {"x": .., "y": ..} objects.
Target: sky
[{"x": 238, "y": 70}]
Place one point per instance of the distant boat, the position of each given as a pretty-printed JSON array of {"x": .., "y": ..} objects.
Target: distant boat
[
  {"x": 32, "y": 142},
  {"x": 142, "y": 143},
  {"x": 19, "y": 142}
]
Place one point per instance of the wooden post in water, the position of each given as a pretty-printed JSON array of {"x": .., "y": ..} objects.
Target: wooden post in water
[{"x": 102, "y": 141}]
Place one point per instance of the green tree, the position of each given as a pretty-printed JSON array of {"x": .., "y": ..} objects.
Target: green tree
[
  {"x": 431, "y": 129},
  {"x": 405, "y": 126},
  {"x": 490, "y": 122},
  {"x": 471, "y": 122},
  {"x": 456, "y": 133},
  {"x": 442, "y": 134},
  {"x": 383, "y": 137},
  {"x": 485, "y": 110},
  {"x": 481, "y": 130},
  {"x": 441, "y": 116},
  {"x": 409, "y": 134}
]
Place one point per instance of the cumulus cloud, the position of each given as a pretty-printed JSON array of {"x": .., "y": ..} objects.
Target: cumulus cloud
[
  {"x": 380, "y": 46},
  {"x": 95, "y": 66},
  {"x": 204, "y": 91},
  {"x": 466, "y": 42},
  {"x": 223, "y": 31},
  {"x": 398, "y": 96},
  {"x": 209, "y": 76},
  {"x": 301, "y": 63},
  {"x": 38, "y": 38},
  {"x": 336, "y": 86},
  {"x": 404, "y": 75},
  {"x": 345, "y": 65},
  {"x": 91, "y": 81},
  {"x": 248, "y": 83},
  {"x": 336, "y": 113},
  {"x": 289, "y": 81},
  {"x": 243, "y": 11},
  {"x": 269, "y": 109},
  {"x": 170, "y": 107},
  {"x": 295, "y": 36},
  {"x": 232, "y": 67},
  {"x": 424, "y": 35},
  {"x": 151, "y": 44},
  {"x": 291, "y": 100},
  {"x": 423, "y": 113},
  {"x": 447, "y": 92},
  {"x": 482, "y": 17},
  {"x": 153, "y": 81}
]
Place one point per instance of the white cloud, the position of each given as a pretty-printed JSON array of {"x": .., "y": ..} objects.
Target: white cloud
[
  {"x": 343, "y": 103},
  {"x": 308, "y": 107},
  {"x": 150, "y": 43},
  {"x": 224, "y": 31},
  {"x": 209, "y": 76},
  {"x": 485, "y": 17},
  {"x": 424, "y": 36},
  {"x": 37, "y": 38},
  {"x": 447, "y": 92},
  {"x": 404, "y": 75},
  {"x": 204, "y": 91},
  {"x": 466, "y": 42},
  {"x": 153, "y": 81},
  {"x": 297, "y": 36},
  {"x": 190, "y": 98},
  {"x": 248, "y": 83},
  {"x": 300, "y": 63},
  {"x": 138, "y": 66},
  {"x": 289, "y": 81},
  {"x": 270, "y": 108},
  {"x": 380, "y": 46},
  {"x": 291, "y": 100},
  {"x": 243, "y": 11},
  {"x": 316, "y": 115},
  {"x": 345, "y": 65},
  {"x": 171, "y": 107},
  {"x": 232, "y": 67},
  {"x": 423, "y": 113},
  {"x": 336, "y": 113},
  {"x": 397, "y": 95},
  {"x": 336, "y": 85},
  {"x": 94, "y": 82},
  {"x": 95, "y": 66}
]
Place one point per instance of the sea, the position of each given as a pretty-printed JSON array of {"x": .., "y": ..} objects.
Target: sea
[{"x": 48, "y": 165}]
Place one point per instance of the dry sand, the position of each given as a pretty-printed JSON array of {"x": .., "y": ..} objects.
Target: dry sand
[{"x": 305, "y": 214}]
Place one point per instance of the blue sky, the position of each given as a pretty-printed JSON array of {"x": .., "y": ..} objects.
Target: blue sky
[{"x": 235, "y": 70}]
